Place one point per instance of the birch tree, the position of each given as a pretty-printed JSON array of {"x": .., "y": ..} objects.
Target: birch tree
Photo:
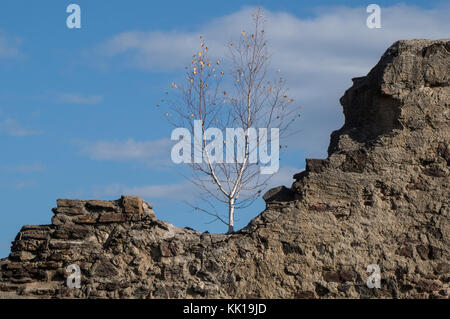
[{"x": 242, "y": 97}]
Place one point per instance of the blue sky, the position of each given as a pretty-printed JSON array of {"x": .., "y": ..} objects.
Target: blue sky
[{"x": 77, "y": 107}]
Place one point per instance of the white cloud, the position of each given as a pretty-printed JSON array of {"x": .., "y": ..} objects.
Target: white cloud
[
  {"x": 9, "y": 46},
  {"x": 150, "y": 50},
  {"x": 155, "y": 153},
  {"x": 13, "y": 128},
  {"x": 77, "y": 98},
  {"x": 336, "y": 41},
  {"x": 176, "y": 191}
]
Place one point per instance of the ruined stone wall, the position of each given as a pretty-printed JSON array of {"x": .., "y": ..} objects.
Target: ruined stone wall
[
  {"x": 79, "y": 232},
  {"x": 381, "y": 197}
]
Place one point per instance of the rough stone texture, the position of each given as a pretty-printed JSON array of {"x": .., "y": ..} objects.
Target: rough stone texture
[{"x": 381, "y": 197}]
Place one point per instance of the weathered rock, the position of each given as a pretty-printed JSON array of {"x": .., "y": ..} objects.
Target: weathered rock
[
  {"x": 132, "y": 204},
  {"x": 381, "y": 197},
  {"x": 111, "y": 218},
  {"x": 86, "y": 220}
]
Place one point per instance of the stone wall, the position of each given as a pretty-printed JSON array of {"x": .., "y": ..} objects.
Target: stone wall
[{"x": 40, "y": 253}]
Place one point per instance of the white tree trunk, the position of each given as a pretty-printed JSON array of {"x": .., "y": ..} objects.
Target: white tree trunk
[{"x": 231, "y": 216}]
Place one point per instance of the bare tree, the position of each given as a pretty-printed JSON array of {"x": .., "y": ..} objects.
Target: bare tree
[{"x": 237, "y": 101}]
